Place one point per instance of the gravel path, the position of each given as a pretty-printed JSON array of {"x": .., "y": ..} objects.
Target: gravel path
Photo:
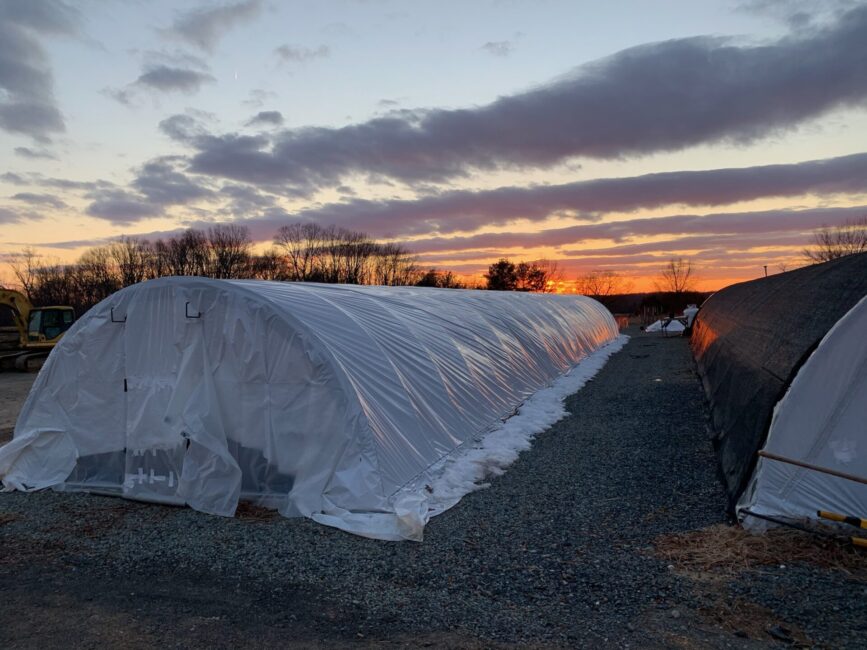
[
  {"x": 14, "y": 387},
  {"x": 557, "y": 552}
]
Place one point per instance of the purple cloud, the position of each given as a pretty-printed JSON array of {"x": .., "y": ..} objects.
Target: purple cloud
[
  {"x": 463, "y": 210},
  {"x": 27, "y": 102},
  {"x": 658, "y": 97},
  {"x": 266, "y": 118},
  {"x": 741, "y": 224},
  {"x": 39, "y": 199},
  {"x": 204, "y": 26}
]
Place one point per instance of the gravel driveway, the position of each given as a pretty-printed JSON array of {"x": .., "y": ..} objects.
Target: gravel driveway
[
  {"x": 558, "y": 552},
  {"x": 14, "y": 387}
]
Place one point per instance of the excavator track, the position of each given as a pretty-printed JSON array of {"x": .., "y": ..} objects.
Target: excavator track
[{"x": 22, "y": 361}]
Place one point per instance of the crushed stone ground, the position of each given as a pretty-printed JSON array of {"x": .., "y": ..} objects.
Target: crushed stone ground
[{"x": 557, "y": 552}]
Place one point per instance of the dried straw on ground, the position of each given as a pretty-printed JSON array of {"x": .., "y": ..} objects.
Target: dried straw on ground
[{"x": 730, "y": 549}]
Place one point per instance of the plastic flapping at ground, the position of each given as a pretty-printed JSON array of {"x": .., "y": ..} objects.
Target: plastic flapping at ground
[
  {"x": 751, "y": 339},
  {"x": 821, "y": 422},
  {"x": 323, "y": 401}
]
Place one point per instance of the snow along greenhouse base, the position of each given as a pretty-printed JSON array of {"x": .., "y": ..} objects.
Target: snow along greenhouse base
[{"x": 365, "y": 408}]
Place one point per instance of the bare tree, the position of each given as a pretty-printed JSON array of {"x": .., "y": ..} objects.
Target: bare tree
[
  {"x": 676, "y": 276},
  {"x": 133, "y": 260},
  {"x": 300, "y": 243},
  {"x": 95, "y": 276},
  {"x": 350, "y": 255},
  {"x": 601, "y": 284},
  {"x": 332, "y": 254},
  {"x": 394, "y": 265},
  {"x": 231, "y": 249},
  {"x": 188, "y": 254},
  {"x": 839, "y": 241},
  {"x": 270, "y": 265},
  {"x": 25, "y": 266}
]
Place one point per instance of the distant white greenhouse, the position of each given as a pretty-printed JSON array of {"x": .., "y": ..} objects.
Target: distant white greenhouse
[
  {"x": 325, "y": 401},
  {"x": 668, "y": 326}
]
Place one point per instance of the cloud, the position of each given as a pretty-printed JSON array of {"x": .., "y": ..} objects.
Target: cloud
[
  {"x": 206, "y": 25},
  {"x": 721, "y": 242},
  {"x": 67, "y": 184},
  {"x": 724, "y": 245},
  {"x": 160, "y": 182},
  {"x": 258, "y": 97},
  {"x": 244, "y": 200},
  {"x": 797, "y": 14},
  {"x": 296, "y": 54},
  {"x": 234, "y": 150},
  {"x": 266, "y": 118},
  {"x": 47, "y": 16},
  {"x": 7, "y": 215},
  {"x": 167, "y": 79},
  {"x": 653, "y": 98},
  {"x": 121, "y": 207},
  {"x": 741, "y": 224},
  {"x": 499, "y": 48},
  {"x": 34, "y": 154},
  {"x": 27, "y": 103},
  {"x": 13, "y": 179},
  {"x": 34, "y": 178},
  {"x": 165, "y": 73},
  {"x": 15, "y": 215},
  {"x": 464, "y": 210},
  {"x": 39, "y": 199},
  {"x": 183, "y": 128}
]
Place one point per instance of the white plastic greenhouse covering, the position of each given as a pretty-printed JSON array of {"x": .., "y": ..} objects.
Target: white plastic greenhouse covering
[
  {"x": 822, "y": 422},
  {"x": 324, "y": 401}
]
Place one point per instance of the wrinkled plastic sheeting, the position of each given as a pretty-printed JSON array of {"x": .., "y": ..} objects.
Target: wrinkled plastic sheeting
[
  {"x": 749, "y": 341},
  {"x": 318, "y": 400},
  {"x": 40, "y": 459},
  {"x": 821, "y": 421}
]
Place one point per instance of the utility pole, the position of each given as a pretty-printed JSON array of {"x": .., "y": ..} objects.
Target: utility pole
[{"x": 766, "y": 270}]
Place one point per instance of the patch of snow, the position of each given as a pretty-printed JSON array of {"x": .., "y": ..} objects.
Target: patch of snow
[{"x": 466, "y": 469}]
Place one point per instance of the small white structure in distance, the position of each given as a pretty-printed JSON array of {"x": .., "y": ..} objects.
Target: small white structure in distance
[
  {"x": 689, "y": 314},
  {"x": 340, "y": 403},
  {"x": 667, "y": 326}
]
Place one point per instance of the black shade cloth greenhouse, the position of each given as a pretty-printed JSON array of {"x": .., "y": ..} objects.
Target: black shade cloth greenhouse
[{"x": 749, "y": 341}]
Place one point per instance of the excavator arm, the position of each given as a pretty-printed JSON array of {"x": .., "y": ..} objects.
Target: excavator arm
[{"x": 21, "y": 307}]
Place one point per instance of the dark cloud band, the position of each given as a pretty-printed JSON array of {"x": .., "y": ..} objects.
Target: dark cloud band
[
  {"x": 653, "y": 98},
  {"x": 455, "y": 211}
]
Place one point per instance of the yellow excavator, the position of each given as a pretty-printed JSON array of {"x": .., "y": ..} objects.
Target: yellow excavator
[{"x": 39, "y": 329}]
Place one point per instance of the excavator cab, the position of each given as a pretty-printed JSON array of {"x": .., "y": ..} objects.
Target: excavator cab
[
  {"x": 46, "y": 324},
  {"x": 39, "y": 329}
]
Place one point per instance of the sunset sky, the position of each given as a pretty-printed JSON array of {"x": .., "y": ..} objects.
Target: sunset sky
[{"x": 602, "y": 135}]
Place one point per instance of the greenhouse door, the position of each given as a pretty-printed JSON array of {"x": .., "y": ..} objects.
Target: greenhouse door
[
  {"x": 155, "y": 338},
  {"x": 176, "y": 446}
]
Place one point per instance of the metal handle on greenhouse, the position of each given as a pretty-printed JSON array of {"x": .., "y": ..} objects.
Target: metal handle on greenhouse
[{"x": 187, "y": 311}]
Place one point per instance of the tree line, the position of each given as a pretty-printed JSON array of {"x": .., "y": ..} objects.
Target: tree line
[
  {"x": 314, "y": 253},
  {"x": 831, "y": 243},
  {"x": 299, "y": 252}
]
